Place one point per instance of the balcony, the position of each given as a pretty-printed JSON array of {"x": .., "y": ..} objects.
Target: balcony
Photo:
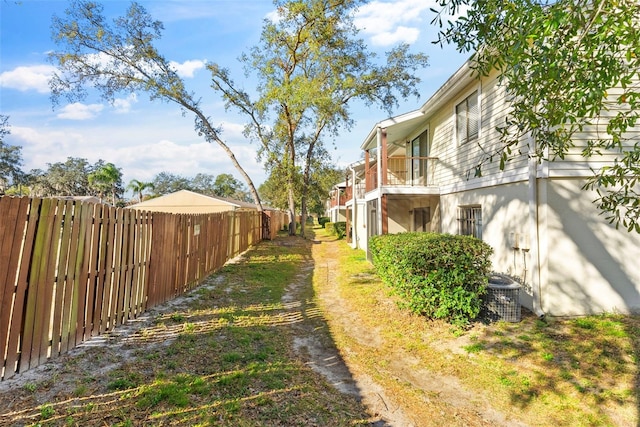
[
  {"x": 403, "y": 172},
  {"x": 359, "y": 191},
  {"x": 339, "y": 201}
]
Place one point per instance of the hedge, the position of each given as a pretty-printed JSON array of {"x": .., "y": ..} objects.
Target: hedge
[
  {"x": 441, "y": 276},
  {"x": 336, "y": 228}
]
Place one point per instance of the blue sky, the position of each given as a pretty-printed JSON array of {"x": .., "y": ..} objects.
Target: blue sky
[{"x": 144, "y": 138}]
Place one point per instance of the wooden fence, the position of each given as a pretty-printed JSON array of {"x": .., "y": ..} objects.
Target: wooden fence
[{"x": 70, "y": 270}]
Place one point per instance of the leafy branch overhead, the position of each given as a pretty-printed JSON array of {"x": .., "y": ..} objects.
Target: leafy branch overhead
[
  {"x": 120, "y": 56},
  {"x": 572, "y": 70}
]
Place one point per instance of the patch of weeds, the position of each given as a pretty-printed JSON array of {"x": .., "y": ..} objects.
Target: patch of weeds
[
  {"x": 540, "y": 324},
  {"x": 80, "y": 390},
  {"x": 177, "y": 317},
  {"x": 566, "y": 375},
  {"x": 175, "y": 392},
  {"x": 184, "y": 342},
  {"x": 457, "y": 331},
  {"x": 613, "y": 328},
  {"x": 188, "y": 327},
  {"x": 547, "y": 356},
  {"x": 123, "y": 381},
  {"x": 151, "y": 356},
  {"x": 232, "y": 406},
  {"x": 585, "y": 323},
  {"x": 474, "y": 348},
  {"x": 232, "y": 357},
  {"x": 31, "y": 387},
  {"x": 47, "y": 411}
]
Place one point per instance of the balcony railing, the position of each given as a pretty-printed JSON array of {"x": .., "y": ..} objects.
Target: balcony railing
[
  {"x": 339, "y": 201},
  {"x": 404, "y": 172},
  {"x": 359, "y": 190}
]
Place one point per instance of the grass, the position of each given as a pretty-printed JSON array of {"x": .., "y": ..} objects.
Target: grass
[
  {"x": 230, "y": 360},
  {"x": 581, "y": 371}
]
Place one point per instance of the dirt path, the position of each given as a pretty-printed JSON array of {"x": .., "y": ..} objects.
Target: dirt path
[
  {"x": 311, "y": 340},
  {"x": 454, "y": 404}
]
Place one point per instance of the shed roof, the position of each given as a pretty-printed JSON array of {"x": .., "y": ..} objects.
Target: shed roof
[{"x": 185, "y": 201}]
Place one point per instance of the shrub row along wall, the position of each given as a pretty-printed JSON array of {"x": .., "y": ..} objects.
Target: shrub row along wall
[{"x": 70, "y": 270}]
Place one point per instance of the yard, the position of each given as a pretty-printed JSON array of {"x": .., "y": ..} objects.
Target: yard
[{"x": 301, "y": 332}]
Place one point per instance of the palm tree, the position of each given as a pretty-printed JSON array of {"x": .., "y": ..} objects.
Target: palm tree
[
  {"x": 138, "y": 187},
  {"x": 106, "y": 178}
]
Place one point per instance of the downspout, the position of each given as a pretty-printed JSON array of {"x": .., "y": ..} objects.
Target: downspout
[
  {"x": 354, "y": 209},
  {"x": 534, "y": 231},
  {"x": 379, "y": 174}
]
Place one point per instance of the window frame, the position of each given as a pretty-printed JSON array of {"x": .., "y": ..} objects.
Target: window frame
[
  {"x": 473, "y": 94},
  {"x": 470, "y": 220}
]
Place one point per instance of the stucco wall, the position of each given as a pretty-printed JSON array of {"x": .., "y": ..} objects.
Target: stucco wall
[
  {"x": 586, "y": 265},
  {"x": 591, "y": 267},
  {"x": 505, "y": 213}
]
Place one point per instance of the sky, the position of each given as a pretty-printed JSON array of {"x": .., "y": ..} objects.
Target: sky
[{"x": 143, "y": 137}]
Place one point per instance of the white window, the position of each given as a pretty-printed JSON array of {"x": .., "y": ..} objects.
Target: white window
[
  {"x": 470, "y": 221},
  {"x": 468, "y": 119}
]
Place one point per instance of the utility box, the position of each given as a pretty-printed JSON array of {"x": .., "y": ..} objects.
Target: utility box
[{"x": 502, "y": 301}]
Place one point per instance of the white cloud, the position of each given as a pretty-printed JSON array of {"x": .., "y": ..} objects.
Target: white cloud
[
  {"x": 123, "y": 105},
  {"x": 35, "y": 77},
  {"x": 187, "y": 68},
  {"x": 388, "y": 23},
  {"x": 400, "y": 34},
  {"x": 141, "y": 152},
  {"x": 79, "y": 111}
]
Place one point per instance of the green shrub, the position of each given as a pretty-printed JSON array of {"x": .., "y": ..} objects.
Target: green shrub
[
  {"x": 323, "y": 220},
  {"x": 336, "y": 228},
  {"x": 440, "y": 276},
  {"x": 340, "y": 229}
]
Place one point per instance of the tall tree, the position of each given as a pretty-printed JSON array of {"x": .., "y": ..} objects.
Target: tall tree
[
  {"x": 69, "y": 178},
  {"x": 226, "y": 185},
  {"x": 166, "y": 183},
  {"x": 121, "y": 57},
  {"x": 204, "y": 183},
  {"x": 138, "y": 187},
  {"x": 310, "y": 66},
  {"x": 567, "y": 65},
  {"x": 10, "y": 159},
  {"x": 107, "y": 178}
]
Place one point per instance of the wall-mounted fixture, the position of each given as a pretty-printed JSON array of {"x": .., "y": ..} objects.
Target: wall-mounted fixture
[{"x": 514, "y": 240}]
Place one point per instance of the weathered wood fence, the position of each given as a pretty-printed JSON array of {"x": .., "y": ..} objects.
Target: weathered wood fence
[{"x": 70, "y": 270}]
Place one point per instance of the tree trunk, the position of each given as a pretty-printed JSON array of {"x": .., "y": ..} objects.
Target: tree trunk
[
  {"x": 210, "y": 134},
  {"x": 292, "y": 211}
]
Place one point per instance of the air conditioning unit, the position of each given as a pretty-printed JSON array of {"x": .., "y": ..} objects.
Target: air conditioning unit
[{"x": 502, "y": 301}]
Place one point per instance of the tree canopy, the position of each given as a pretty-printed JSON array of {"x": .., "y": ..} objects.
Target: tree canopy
[
  {"x": 10, "y": 159},
  {"x": 107, "y": 178},
  {"x": 120, "y": 57},
  {"x": 567, "y": 65},
  {"x": 311, "y": 66},
  {"x": 76, "y": 177},
  {"x": 223, "y": 185}
]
